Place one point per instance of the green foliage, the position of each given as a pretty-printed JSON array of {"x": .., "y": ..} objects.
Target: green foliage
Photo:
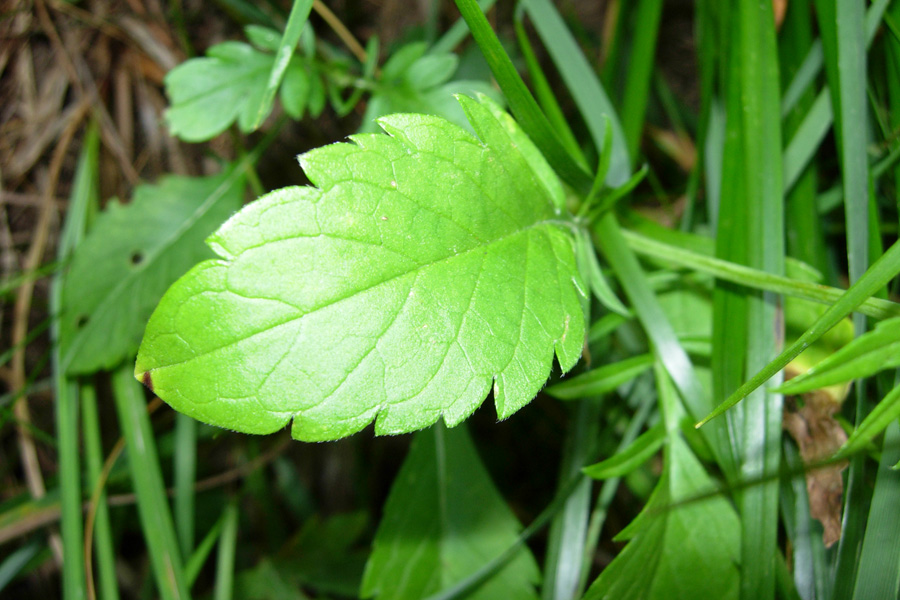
[
  {"x": 230, "y": 84},
  {"x": 460, "y": 254},
  {"x": 324, "y": 295},
  {"x": 684, "y": 544},
  {"x": 413, "y": 81},
  {"x": 131, "y": 255},
  {"x": 443, "y": 520}
]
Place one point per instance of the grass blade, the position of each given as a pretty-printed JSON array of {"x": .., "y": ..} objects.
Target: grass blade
[
  {"x": 82, "y": 204},
  {"x": 583, "y": 84},
  {"x": 185, "y": 468},
  {"x": 754, "y": 278},
  {"x": 633, "y": 456},
  {"x": 640, "y": 71},
  {"x": 881, "y": 272},
  {"x": 102, "y": 541},
  {"x": 153, "y": 506},
  {"x": 601, "y": 380},
  {"x": 290, "y": 37},
  {"x": 878, "y": 574},
  {"x": 225, "y": 557},
  {"x": 563, "y": 565},
  {"x": 521, "y": 102}
]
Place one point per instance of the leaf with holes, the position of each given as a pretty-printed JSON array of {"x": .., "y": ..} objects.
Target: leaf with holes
[
  {"x": 427, "y": 268},
  {"x": 129, "y": 258}
]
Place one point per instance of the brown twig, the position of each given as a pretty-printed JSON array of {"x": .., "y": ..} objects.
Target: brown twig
[{"x": 341, "y": 30}]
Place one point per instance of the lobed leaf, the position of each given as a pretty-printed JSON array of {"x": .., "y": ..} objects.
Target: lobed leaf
[
  {"x": 415, "y": 82},
  {"x": 231, "y": 83},
  {"x": 129, "y": 258},
  {"x": 426, "y": 269}
]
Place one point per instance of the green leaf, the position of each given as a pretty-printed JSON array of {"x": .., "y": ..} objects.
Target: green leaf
[
  {"x": 415, "y": 82},
  {"x": 208, "y": 94},
  {"x": 443, "y": 520},
  {"x": 230, "y": 84},
  {"x": 637, "y": 453},
  {"x": 868, "y": 354},
  {"x": 884, "y": 413},
  {"x": 283, "y": 55},
  {"x": 601, "y": 380},
  {"x": 684, "y": 544},
  {"x": 131, "y": 255},
  {"x": 426, "y": 269}
]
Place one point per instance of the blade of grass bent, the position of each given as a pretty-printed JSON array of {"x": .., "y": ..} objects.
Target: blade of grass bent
[
  {"x": 609, "y": 238},
  {"x": 878, "y": 275}
]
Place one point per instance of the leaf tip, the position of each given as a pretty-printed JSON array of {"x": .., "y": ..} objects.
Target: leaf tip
[{"x": 146, "y": 379}]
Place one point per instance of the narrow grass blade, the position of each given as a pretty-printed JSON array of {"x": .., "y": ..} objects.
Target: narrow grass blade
[
  {"x": 544, "y": 92},
  {"x": 185, "y": 468},
  {"x": 457, "y": 32},
  {"x": 601, "y": 380},
  {"x": 878, "y": 275},
  {"x": 753, "y": 278},
  {"x": 565, "y": 546},
  {"x": 225, "y": 557},
  {"x": 885, "y": 412},
  {"x": 589, "y": 268},
  {"x": 634, "y": 455},
  {"x": 609, "y": 238},
  {"x": 864, "y": 356},
  {"x": 104, "y": 550},
  {"x": 521, "y": 102},
  {"x": 640, "y": 71},
  {"x": 153, "y": 506},
  {"x": 610, "y": 486},
  {"x": 811, "y": 577},
  {"x": 293, "y": 30},
  {"x": 13, "y": 564},
  {"x": 582, "y": 83},
  {"x": 196, "y": 561},
  {"x": 878, "y": 574},
  {"x": 815, "y": 125},
  {"x": 82, "y": 204}
]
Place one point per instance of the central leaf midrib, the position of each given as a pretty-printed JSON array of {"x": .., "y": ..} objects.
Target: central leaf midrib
[{"x": 524, "y": 230}]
